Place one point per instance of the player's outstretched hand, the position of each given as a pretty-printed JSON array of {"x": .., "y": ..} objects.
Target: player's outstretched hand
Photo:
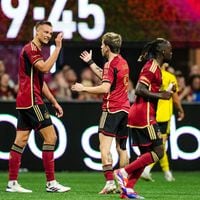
[
  {"x": 77, "y": 87},
  {"x": 59, "y": 39},
  {"x": 86, "y": 56}
]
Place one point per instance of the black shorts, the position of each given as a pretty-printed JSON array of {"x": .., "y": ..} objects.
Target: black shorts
[
  {"x": 114, "y": 124},
  {"x": 36, "y": 117},
  {"x": 146, "y": 136},
  {"x": 164, "y": 127}
]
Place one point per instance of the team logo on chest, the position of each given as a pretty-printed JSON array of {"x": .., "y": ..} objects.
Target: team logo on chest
[{"x": 46, "y": 115}]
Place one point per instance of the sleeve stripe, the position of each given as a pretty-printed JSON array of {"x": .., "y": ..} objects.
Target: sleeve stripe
[
  {"x": 106, "y": 80},
  {"x": 146, "y": 83},
  {"x": 37, "y": 60}
]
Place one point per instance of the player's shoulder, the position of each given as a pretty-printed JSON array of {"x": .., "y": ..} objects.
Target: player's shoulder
[
  {"x": 30, "y": 47},
  {"x": 169, "y": 75},
  {"x": 151, "y": 65}
]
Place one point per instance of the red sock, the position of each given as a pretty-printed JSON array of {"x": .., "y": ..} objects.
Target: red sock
[
  {"x": 14, "y": 161},
  {"x": 133, "y": 178},
  {"x": 140, "y": 162},
  {"x": 48, "y": 161},
  {"x": 108, "y": 172},
  {"x": 109, "y": 175}
]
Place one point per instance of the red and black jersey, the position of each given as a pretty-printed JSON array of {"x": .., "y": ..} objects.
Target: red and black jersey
[
  {"x": 30, "y": 79},
  {"x": 116, "y": 72},
  {"x": 143, "y": 112}
]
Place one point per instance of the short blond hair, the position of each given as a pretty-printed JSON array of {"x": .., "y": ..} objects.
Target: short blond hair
[{"x": 113, "y": 40}]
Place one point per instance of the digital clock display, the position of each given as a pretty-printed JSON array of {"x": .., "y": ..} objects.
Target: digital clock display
[
  {"x": 20, "y": 16},
  {"x": 83, "y": 20}
]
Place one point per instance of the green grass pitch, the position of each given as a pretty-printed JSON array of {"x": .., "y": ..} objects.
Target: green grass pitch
[{"x": 86, "y": 185}]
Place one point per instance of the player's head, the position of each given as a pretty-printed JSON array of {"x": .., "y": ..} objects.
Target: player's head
[
  {"x": 159, "y": 48},
  {"x": 44, "y": 31},
  {"x": 111, "y": 42}
]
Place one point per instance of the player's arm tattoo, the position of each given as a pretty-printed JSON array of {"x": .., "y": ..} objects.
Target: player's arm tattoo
[{"x": 99, "y": 69}]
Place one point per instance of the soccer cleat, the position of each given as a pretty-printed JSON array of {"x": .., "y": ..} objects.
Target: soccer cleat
[
  {"x": 121, "y": 180},
  {"x": 54, "y": 186},
  {"x": 168, "y": 176},
  {"x": 147, "y": 176},
  {"x": 129, "y": 193},
  {"x": 14, "y": 186},
  {"x": 109, "y": 188}
]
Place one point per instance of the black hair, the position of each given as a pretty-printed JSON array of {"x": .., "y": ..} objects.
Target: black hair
[
  {"x": 152, "y": 49},
  {"x": 44, "y": 22}
]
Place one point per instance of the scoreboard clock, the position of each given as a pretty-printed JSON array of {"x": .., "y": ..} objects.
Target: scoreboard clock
[{"x": 15, "y": 14}]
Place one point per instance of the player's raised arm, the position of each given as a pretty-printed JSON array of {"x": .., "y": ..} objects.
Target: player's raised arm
[
  {"x": 33, "y": 113},
  {"x": 87, "y": 57},
  {"x": 45, "y": 66}
]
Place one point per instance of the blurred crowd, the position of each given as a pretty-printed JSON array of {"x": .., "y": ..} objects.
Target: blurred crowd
[{"x": 61, "y": 82}]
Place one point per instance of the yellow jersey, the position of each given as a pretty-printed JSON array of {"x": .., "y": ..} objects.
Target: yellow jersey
[{"x": 165, "y": 107}]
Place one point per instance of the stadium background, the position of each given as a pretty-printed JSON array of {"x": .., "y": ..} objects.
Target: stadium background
[
  {"x": 79, "y": 144},
  {"x": 138, "y": 22}
]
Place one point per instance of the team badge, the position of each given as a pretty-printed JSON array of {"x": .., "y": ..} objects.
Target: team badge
[{"x": 46, "y": 115}]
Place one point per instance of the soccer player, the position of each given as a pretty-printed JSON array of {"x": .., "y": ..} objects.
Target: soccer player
[
  {"x": 32, "y": 112},
  {"x": 142, "y": 115},
  {"x": 163, "y": 116},
  {"x": 115, "y": 107}
]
